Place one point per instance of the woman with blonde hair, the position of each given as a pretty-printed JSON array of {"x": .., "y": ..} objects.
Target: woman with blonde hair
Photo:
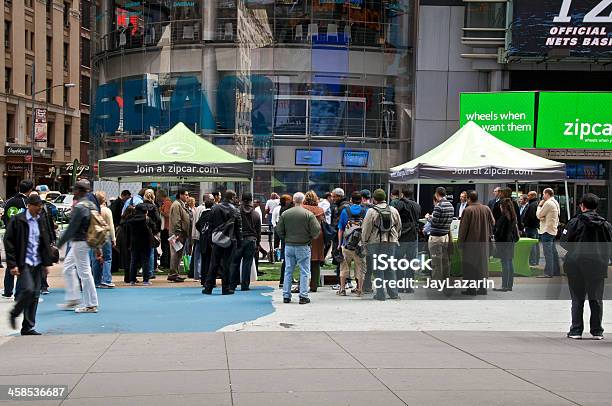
[
  {"x": 101, "y": 268},
  {"x": 317, "y": 255}
]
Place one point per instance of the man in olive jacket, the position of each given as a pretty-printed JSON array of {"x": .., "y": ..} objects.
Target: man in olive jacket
[
  {"x": 297, "y": 227},
  {"x": 180, "y": 227},
  {"x": 28, "y": 255}
]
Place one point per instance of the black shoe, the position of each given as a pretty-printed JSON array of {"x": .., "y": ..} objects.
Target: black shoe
[
  {"x": 228, "y": 292},
  {"x": 30, "y": 333},
  {"x": 304, "y": 300},
  {"x": 469, "y": 292},
  {"x": 574, "y": 336},
  {"x": 13, "y": 321},
  {"x": 207, "y": 291},
  {"x": 243, "y": 288},
  {"x": 280, "y": 285},
  {"x": 286, "y": 300},
  {"x": 481, "y": 291}
]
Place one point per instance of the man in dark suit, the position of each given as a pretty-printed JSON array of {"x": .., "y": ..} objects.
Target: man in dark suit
[
  {"x": 461, "y": 205},
  {"x": 531, "y": 224},
  {"x": 494, "y": 204},
  {"x": 523, "y": 203}
]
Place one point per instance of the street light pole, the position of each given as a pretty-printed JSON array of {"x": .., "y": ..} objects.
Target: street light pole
[
  {"x": 33, "y": 127},
  {"x": 32, "y": 123}
]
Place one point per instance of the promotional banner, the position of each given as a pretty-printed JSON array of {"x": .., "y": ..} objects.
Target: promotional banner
[
  {"x": 574, "y": 120},
  {"x": 510, "y": 116},
  {"x": 40, "y": 125},
  {"x": 561, "y": 28}
]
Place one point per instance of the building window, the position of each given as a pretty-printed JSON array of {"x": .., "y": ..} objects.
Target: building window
[
  {"x": 85, "y": 90},
  {"x": 28, "y": 84},
  {"x": 29, "y": 3},
  {"x": 66, "y": 96},
  {"x": 49, "y": 90},
  {"x": 29, "y": 40},
  {"x": 66, "y": 14},
  {"x": 7, "y": 80},
  {"x": 86, "y": 14},
  {"x": 49, "y": 49},
  {"x": 32, "y": 42},
  {"x": 485, "y": 22},
  {"x": 51, "y": 134},
  {"x": 84, "y": 127},
  {"x": 66, "y": 56},
  {"x": 7, "y": 35},
  {"x": 67, "y": 136},
  {"x": 85, "y": 52},
  {"x": 10, "y": 127}
]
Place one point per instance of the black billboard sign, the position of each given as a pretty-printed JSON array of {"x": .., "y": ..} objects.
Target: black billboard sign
[{"x": 562, "y": 28}]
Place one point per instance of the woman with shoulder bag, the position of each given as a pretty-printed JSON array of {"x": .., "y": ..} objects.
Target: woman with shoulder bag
[
  {"x": 317, "y": 255},
  {"x": 506, "y": 235},
  {"x": 153, "y": 219}
]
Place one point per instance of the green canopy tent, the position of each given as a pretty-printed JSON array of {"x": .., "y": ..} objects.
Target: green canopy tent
[{"x": 179, "y": 155}]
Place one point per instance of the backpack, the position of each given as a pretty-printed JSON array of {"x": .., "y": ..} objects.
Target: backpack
[
  {"x": 385, "y": 220},
  {"x": 98, "y": 231},
  {"x": 352, "y": 230},
  {"x": 222, "y": 235}
]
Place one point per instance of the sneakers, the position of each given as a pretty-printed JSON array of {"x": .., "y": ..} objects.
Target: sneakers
[
  {"x": 574, "y": 336},
  {"x": 335, "y": 287},
  {"x": 146, "y": 283},
  {"x": 7, "y": 297},
  {"x": 349, "y": 285},
  {"x": 107, "y": 285},
  {"x": 286, "y": 300},
  {"x": 598, "y": 337},
  {"x": 44, "y": 291},
  {"x": 304, "y": 300},
  {"x": 69, "y": 305},
  {"x": 30, "y": 333},
  {"x": 86, "y": 309}
]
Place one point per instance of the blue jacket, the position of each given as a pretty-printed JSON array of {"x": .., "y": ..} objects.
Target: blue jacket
[{"x": 355, "y": 210}]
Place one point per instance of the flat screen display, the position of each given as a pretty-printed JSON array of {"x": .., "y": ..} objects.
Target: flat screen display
[
  {"x": 357, "y": 159},
  {"x": 309, "y": 157}
]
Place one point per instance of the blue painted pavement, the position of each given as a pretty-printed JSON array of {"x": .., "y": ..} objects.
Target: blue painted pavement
[{"x": 155, "y": 310}]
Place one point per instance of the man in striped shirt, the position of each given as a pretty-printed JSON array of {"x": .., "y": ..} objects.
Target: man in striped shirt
[{"x": 440, "y": 221}]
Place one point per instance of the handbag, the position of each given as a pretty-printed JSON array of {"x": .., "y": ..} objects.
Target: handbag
[{"x": 55, "y": 254}]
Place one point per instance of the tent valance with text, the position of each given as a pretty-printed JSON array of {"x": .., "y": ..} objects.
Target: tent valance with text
[{"x": 178, "y": 155}]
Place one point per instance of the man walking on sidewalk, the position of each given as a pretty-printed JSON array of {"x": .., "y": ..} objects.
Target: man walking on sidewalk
[
  {"x": 28, "y": 255},
  {"x": 297, "y": 227},
  {"x": 77, "y": 259}
]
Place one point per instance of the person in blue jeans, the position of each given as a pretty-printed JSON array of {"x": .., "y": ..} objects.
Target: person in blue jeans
[
  {"x": 506, "y": 234},
  {"x": 297, "y": 227},
  {"x": 548, "y": 214},
  {"x": 532, "y": 224},
  {"x": 101, "y": 267}
]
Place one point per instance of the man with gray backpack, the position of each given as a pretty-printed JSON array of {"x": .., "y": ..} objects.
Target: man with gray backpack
[
  {"x": 85, "y": 231},
  {"x": 381, "y": 229},
  {"x": 349, "y": 236}
]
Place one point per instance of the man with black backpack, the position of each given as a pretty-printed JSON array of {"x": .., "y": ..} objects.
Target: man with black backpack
[
  {"x": 226, "y": 225},
  {"x": 381, "y": 229},
  {"x": 251, "y": 237},
  {"x": 349, "y": 235},
  {"x": 410, "y": 212}
]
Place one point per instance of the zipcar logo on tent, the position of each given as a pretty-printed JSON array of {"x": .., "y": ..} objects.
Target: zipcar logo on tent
[{"x": 178, "y": 150}]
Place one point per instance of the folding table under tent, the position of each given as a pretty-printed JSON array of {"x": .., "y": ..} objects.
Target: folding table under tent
[
  {"x": 179, "y": 155},
  {"x": 472, "y": 155}
]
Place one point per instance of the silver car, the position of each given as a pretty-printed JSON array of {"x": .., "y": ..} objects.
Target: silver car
[{"x": 64, "y": 206}]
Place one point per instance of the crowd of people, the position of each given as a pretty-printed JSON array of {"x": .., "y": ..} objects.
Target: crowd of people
[{"x": 221, "y": 239}]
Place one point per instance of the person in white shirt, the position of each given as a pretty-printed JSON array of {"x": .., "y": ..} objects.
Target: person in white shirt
[
  {"x": 272, "y": 204},
  {"x": 548, "y": 214},
  {"x": 325, "y": 204},
  {"x": 461, "y": 205},
  {"x": 102, "y": 268}
]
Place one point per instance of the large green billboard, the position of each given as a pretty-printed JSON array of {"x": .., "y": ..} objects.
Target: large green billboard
[
  {"x": 510, "y": 116},
  {"x": 575, "y": 120}
]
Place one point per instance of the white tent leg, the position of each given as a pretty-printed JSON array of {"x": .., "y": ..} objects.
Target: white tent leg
[
  {"x": 389, "y": 191},
  {"x": 252, "y": 188},
  {"x": 418, "y": 193},
  {"x": 516, "y": 189},
  {"x": 567, "y": 204}
]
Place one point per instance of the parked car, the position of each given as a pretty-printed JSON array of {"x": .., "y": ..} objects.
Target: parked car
[
  {"x": 50, "y": 196},
  {"x": 64, "y": 206}
]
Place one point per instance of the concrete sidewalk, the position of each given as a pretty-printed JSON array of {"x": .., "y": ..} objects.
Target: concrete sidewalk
[{"x": 314, "y": 368}]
